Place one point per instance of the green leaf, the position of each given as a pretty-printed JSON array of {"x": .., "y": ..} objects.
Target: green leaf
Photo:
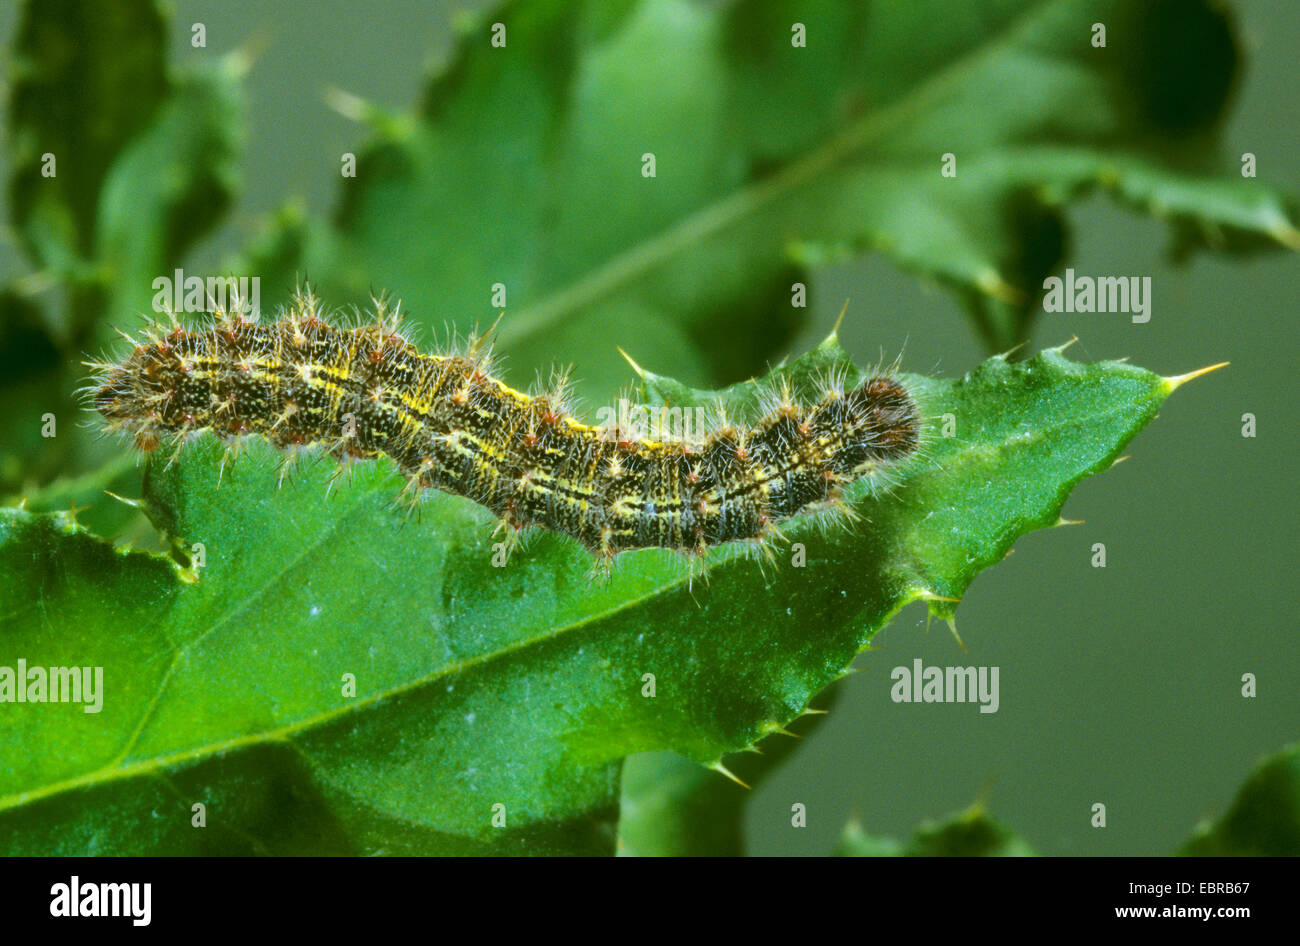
[
  {"x": 479, "y": 686},
  {"x": 674, "y": 807},
  {"x": 971, "y": 833},
  {"x": 855, "y": 842},
  {"x": 98, "y": 500},
  {"x": 170, "y": 186},
  {"x": 524, "y": 167},
  {"x": 86, "y": 79},
  {"x": 147, "y": 163},
  {"x": 1264, "y": 819},
  {"x": 32, "y": 367}
]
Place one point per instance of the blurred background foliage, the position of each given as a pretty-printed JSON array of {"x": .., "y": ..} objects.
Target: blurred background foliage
[{"x": 775, "y": 165}]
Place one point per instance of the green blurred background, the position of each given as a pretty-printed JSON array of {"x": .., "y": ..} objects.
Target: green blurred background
[{"x": 1118, "y": 685}]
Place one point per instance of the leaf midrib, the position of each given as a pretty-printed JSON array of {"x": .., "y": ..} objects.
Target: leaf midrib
[
  {"x": 717, "y": 216},
  {"x": 115, "y": 771}
]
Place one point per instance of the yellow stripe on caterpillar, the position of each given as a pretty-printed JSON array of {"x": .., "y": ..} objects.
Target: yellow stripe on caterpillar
[{"x": 449, "y": 424}]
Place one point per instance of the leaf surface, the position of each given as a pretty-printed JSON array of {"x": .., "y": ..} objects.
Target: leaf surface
[
  {"x": 971, "y": 833},
  {"x": 144, "y": 162},
  {"x": 526, "y": 167},
  {"x": 477, "y": 686},
  {"x": 1264, "y": 819}
]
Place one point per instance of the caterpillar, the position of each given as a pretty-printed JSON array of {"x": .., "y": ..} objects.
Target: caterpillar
[{"x": 364, "y": 391}]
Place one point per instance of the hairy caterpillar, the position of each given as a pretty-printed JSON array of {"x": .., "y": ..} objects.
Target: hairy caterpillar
[{"x": 448, "y": 424}]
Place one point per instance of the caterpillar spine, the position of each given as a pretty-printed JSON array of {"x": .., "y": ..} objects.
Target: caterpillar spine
[{"x": 448, "y": 423}]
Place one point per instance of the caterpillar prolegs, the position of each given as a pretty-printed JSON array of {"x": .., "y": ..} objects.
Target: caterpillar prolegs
[{"x": 447, "y": 423}]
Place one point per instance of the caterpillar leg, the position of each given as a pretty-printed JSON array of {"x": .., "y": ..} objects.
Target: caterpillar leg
[{"x": 602, "y": 568}]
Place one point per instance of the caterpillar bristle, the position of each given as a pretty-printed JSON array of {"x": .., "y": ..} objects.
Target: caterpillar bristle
[{"x": 355, "y": 387}]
